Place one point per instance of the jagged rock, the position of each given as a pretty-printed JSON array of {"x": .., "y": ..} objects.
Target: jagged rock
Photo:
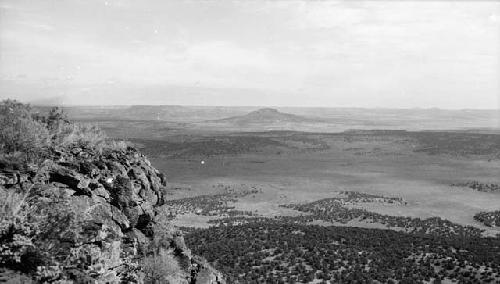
[
  {"x": 89, "y": 169},
  {"x": 9, "y": 177},
  {"x": 71, "y": 178},
  {"x": 8, "y": 276},
  {"x": 99, "y": 190},
  {"x": 116, "y": 168},
  {"x": 91, "y": 218}
]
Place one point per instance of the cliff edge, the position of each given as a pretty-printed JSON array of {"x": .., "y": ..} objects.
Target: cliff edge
[{"x": 91, "y": 216}]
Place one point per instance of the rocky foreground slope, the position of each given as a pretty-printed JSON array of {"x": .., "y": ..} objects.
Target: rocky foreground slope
[{"x": 89, "y": 216}]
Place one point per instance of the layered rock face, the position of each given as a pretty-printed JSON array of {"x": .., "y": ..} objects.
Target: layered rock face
[{"x": 91, "y": 216}]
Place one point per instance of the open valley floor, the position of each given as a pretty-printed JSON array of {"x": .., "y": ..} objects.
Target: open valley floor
[{"x": 357, "y": 205}]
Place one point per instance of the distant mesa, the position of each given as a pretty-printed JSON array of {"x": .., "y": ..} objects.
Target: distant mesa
[{"x": 267, "y": 115}]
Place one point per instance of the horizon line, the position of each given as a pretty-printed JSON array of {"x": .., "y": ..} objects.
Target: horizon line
[{"x": 263, "y": 106}]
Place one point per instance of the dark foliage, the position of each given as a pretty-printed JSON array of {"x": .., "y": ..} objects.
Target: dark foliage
[
  {"x": 209, "y": 146},
  {"x": 272, "y": 251},
  {"x": 490, "y": 219},
  {"x": 333, "y": 210},
  {"x": 479, "y": 186}
]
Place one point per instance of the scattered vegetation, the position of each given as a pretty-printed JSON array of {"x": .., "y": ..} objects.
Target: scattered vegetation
[
  {"x": 208, "y": 205},
  {"x": 479, "y": 186},
  {"x": 458, "y": 144},
  {"x": 27, "y": 136},
  {"x": 490, "y": 219},
  {"x": 334, "y": 210},
  {"x": 272, "y": 251},
  {"x": 289, "y": 249},
  {"x": 159, "y": 267},
  {"x": 354, "y": 197},
  {"x": 207, "y": 146},
  {"x": 159, "y": 263}
]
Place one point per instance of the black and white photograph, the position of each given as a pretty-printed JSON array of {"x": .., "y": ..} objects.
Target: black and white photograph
[{"x": 249, "y": 141}]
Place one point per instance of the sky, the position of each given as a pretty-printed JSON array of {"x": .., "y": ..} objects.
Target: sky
[{"x": 384, "y": 54}]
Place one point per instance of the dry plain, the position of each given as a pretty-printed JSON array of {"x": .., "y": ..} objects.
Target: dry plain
[
  {"x": 379, "y": 164},
  {"x": 266, "y": 198}
]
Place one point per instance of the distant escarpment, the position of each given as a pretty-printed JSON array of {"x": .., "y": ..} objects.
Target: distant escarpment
[{"x": 86, "y": 214}]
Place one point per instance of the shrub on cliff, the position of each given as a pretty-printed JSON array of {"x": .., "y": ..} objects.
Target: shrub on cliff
[
  {"x": 78, "y": 134},
  {"x": 26, "y": 142},
  {"x": 28, "y": 136},
  {"x": 64, "y": 132},
  {"x": 82, "y": 209},
  {"x": 21, "y": 132},
  {"x": 161, "y": 267}
]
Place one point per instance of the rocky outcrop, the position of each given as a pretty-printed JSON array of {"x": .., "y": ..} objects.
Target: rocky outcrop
[{"x": 92, "y": 216}]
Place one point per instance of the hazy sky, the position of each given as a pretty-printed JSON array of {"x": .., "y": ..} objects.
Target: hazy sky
[{"x": 283, "y": 53}]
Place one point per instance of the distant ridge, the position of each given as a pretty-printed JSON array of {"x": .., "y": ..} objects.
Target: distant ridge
[{"x": 267, "y": 115}]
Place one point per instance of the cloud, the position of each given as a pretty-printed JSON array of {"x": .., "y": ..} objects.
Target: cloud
[
  {"x": 38, "y": 26},
  {"x": 494, "y": 18},
  {"x": 227, "y": 54},
  {"x": 328, "y": 14},
  {"x": 353, "y": 51}
]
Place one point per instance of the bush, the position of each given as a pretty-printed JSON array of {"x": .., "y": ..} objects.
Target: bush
[
  {"x": 21, "y": 132},
  {"x": 162, "y": 261},
  {"x": 30, "y": 136},
  {"x": 64, "y": 132},
  {"x": 10, "y": 202},
  {"x": 82, "y": 135},
  {"x": 117, "y": 145},
  {"x": 161, "y": 267},
  {"x": 15, "y": 232}
]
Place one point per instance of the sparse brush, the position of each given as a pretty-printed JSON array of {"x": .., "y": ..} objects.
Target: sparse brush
[
  {"x": 116, "y": 145},
  {"x": 12, "y": 161},
  {"x": 78, "y": 134},
  {"x": 161, "y": 267},
  {"x": 21, "y": 132},
  {"x": 32, "y": 135},
  {"x": 10, "y": 201},
  {"x": 159, "y": 263}
]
